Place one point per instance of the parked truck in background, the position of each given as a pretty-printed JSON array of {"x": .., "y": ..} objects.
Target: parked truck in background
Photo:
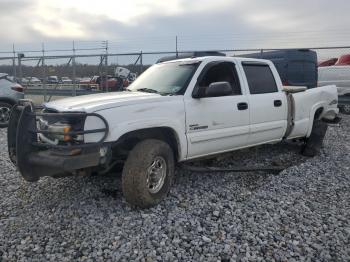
[
  {"x": 174, "y": 112},
  {"x": 296, "y": 67}
]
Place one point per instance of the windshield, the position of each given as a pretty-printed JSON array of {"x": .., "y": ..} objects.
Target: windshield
[{"x": 165, "y": 79}]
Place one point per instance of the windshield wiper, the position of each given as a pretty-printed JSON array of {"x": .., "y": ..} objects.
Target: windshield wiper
[{"x": 148, "y": 90}]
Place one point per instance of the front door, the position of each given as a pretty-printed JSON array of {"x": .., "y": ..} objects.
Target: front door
[{"x": 217, "y": 124}]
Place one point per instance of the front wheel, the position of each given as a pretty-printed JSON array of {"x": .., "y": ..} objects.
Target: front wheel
[
  {"x": 5, "y": 111},
  {"x": 148, "y": 173}
]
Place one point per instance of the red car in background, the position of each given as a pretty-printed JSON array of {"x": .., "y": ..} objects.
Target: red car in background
[
  {"x": 328, "y": 62},
  {"x": 343, "y": 60},
  {"x": 104, "y": 83}
]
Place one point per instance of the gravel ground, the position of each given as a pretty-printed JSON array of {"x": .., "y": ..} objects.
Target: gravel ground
[{"x": 302, "y": 213}]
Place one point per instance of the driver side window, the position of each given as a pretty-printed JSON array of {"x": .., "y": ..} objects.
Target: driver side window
[{"x": 222, "y": 72}]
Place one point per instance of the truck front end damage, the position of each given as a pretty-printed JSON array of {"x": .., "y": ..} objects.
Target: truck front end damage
[{"x": 42, "y": 142}]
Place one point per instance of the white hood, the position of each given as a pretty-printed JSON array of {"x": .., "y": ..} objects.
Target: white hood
[{"x": 96, "y": 102}]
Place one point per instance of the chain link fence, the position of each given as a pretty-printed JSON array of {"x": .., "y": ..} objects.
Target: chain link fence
[{"x": 54, "y": 73}]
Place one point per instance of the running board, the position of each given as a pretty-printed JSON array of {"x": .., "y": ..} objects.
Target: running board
[{"x": 240, "y": 169}]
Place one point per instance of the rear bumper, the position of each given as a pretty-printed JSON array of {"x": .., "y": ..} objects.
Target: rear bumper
[
  {"x": 35, "y": 159},
  {"x": 335, "y": 120},
  {"x": 331, "y": 116}
]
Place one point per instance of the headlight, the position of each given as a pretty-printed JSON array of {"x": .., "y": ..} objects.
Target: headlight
[
  {"x": 60, "y": 132},
  {"x": 59, "y": 127}
]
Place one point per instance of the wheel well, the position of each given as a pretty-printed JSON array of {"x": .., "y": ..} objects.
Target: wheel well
[
  {"x": 127, "y": 142},
  {"x": 318, "y": 113}
]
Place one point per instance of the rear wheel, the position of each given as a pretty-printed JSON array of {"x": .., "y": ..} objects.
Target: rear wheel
[
  {"x": 148, "y": 173},
  {"x": 5, "y": 111},
  {"x": 314, "y": 143}
]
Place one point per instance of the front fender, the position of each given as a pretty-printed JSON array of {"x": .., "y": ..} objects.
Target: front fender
[{"x": 124, "y": 120}]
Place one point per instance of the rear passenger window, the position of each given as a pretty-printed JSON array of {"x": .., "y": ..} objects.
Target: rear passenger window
[{"x": 260, "y": 78}]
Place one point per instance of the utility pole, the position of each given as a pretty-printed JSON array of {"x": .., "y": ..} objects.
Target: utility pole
[
  {"x": 14, "y": 62},
  {"x": 141, "y": 63},
  {"x": 44, "y": 72},
  {"x": 74, "y": 72},
  {"x": 177, "y": 53},
  {"x": 106, "y": 62},
  {"x": 106, "y": 66},
  {"x": 20, "y": 56}
]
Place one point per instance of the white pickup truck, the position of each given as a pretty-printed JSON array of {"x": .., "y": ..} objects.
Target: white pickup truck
[{"x": 174, "y": 112}]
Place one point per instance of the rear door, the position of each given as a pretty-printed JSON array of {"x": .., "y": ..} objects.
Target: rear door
[
  {"x": 268, "y": 105},
  {"x": 217, "y": 124}
]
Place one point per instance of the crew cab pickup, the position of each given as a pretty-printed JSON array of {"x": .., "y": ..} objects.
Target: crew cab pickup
[{"x": 175, "y": 111}]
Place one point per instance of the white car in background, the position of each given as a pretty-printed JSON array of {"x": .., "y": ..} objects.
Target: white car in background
[
  {"x": 335, "y": 75},
  {"x": 31, "y": 81},
  {"x": 66, "y": 80},
  {"x": 339, "y": 76}
]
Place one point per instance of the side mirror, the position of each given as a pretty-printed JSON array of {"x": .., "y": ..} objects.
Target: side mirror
[{"x": 218, "y": 89}]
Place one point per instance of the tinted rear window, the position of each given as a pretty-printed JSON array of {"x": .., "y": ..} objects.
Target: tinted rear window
[{"x": 260, "y": 79}]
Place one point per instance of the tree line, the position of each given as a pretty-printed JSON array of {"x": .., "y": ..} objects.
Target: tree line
[{"x": 82, "y": 70}]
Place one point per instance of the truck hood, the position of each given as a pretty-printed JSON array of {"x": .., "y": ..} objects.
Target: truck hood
[{"x": 97, "y": 102}]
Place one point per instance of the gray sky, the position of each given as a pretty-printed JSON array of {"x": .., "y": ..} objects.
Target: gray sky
[{"x": 151, "y": 25}]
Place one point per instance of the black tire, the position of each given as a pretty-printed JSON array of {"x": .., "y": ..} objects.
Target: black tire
[
  {"x": 345, "y": 109},
  {"x": 314, "y": 143},
  {"x": 136, "y": 189},
  {"x": 5, "y": 111}
]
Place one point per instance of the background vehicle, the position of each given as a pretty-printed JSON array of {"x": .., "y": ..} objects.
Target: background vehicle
[
  {"x": 296, "y": 67},
  {"x": 66, "y": 80},
  {"x": 111, "y": 83},
  {"x": 88, "y": 83},
  {"x": 10, "y": 93},
  {"x": 343, "y": 60},
  {"x": 31, "y": 81},
  {"x": 174, "y": 112},
  {"x": 122, "y": 72},
  {"x": 52, "y": 80},
  {"x": 328, "y": 62},
  {"x": 339, "y": 76},
  {"x": 77, "y": 80},
  {"x": 125, "y": 76}
]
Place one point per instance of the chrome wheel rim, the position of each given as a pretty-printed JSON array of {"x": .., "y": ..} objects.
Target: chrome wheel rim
[
  {"x": 156, "y": 174},
  {"x": 4, "y": 115}
]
